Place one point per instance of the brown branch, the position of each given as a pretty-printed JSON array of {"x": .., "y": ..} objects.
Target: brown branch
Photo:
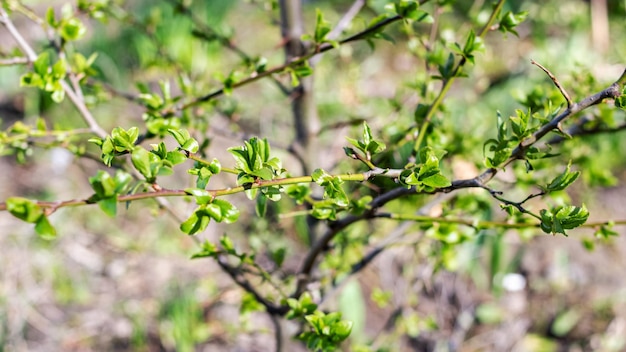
[
  {"x": 555, "y": 81},
  {"x": 613, "y": 91},
  {"x": 479, "y": 181},
  {"x": 240, "y": 280},
  {"x": 278, "y": 69},
  {"x": 335, "y": 227},
  {"x": 579, "y": 130}
]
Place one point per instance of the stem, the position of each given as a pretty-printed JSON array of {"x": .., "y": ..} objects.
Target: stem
[
  {"x": 482, "y": 224},
  {"x": 71, "y": 94},
  {"x": 216, "y": 192},
  {"x": 448, "y": 83},
  {"x": 296, "y": 61},
  {"x": 613, "y": 91}
]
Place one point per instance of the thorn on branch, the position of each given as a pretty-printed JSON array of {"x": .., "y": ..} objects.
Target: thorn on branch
[{"x": 555, "y": 81}]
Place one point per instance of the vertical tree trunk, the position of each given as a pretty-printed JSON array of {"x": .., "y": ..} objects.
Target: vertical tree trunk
[
  {"x": 306, "y": 121},
  {"x": 305, "y": 117}
]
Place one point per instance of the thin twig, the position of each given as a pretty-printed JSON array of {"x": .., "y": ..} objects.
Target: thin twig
[
  {"x": 555, "y": 81},
  {"x": 13, "y": 61},
  {"x": 209, "y": 34},
  {"x": 342, "y": 24},
  {"x": 479, "y": 181},
  {"x": 240, "y": 280},
  {"x": 32, "y": 56},
  {"x": 613, "y": 91},
  {"x": 447, "y": 84},
  {"x": 279, "y": 69}
]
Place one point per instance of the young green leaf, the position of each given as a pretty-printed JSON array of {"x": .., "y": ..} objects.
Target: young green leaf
[
  {"x": 195, "y": 223},
  {"x": 24, "y": 209},
  {"x": 322, "y": 27},
  {"x": 44, "y": 228},
  {"x": 201, "y": 196},
  {"x": 141, "y": 160},
  {"x": 208, "y": 250},
  {"x": 562, "y": 181},
  {"x": 562, "y": 218}
]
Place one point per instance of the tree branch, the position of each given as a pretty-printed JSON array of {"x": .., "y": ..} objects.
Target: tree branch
[
  {"x": 240, "y": 280},
  {"x": 479, "y": 181},
  {"x": 71, "y": 94},
  {"x": 613, "y": 91},
  {"x": 279, "y": 69},
  {"x": 555, "y": 81}
]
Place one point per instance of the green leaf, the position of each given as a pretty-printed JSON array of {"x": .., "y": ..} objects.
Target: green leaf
[
  {"x": 141, "y": 160},
  {"x": 263, "y": 173},
  {"x": 109, "y": 205},
  {"x": 151, "y": 100},
  {"x": 562, "y": 218},
  {"x": 341, "y": 330},
  {"x": 208, "y": 250},
  {"x": 300, "y": 307},
  {"x": 299, "y": 192},
  {"x": 184, "y": 139},
  {"x": 324, "y": 210},
  {"x": 420, "y": 112},
  {"x": 228, "y": 245},
  {"x": 429, "y": 168},
  {"x": 250, "y": 304},
  {"x": 58, "y": 95},
  {"x": 44, "y": 229},
  {"x": 571, "y": 216},
  {"x": 31, "y": 80},
  {"x": 333, "y": 191},
  {"x": 72, "y": 29},
  {"x": 50, "y": 18},
  {"x": 407, "y": 9},
  {"x": 213, "y": 211},
  {"x": 103, "y": 184},
  {"x": 606, "y": 231},
  {"x": 322, "y": 27},
  {"x": 42, "y": 64},
  {"x": 215, "y": 167},
  {"x": 319, "y": 176},
  {"x": 191, "y": 145},
  {"x": 437, "y": 181},
  {"x": 562, "y": 181},
  {"x": 201, "y": 196},
  {"x": 620, "y": 102},
  {"x": 303, "y": 70},
  {"x": 261, "y": 206},
  {"x": 228, "y": 211},
  {"x": 509, "y": 21},
  {"x": 24, "y": 209},
  {"x": 278, "y": 256},
  {"x": 59, "y": 69},
  {"x": 195, "y": 223},
  {"x": 519, "y": 124},
  {"x": 241, "y": 159}
]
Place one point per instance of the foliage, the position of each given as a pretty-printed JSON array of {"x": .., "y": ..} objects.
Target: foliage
[{"x": 395, "y": 169}]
